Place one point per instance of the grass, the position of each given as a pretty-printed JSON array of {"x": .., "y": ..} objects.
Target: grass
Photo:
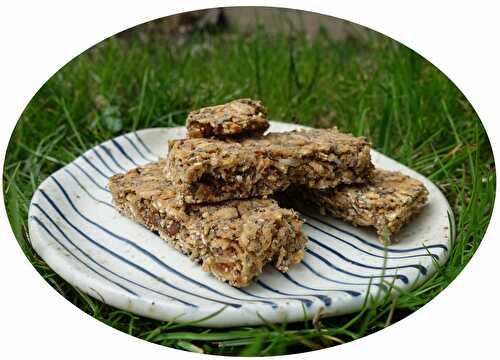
[{"x": 377, "y": 88}]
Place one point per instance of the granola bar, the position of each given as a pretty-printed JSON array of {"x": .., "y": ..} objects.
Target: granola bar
[
  {"x": 212, "y": 170},
  {"x": 387, "y": 202},
  {"x": 240, "y": 117},
  {"x": 233, "y": 240}
]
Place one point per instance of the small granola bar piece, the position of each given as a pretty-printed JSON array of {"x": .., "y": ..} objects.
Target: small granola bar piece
[
  {"x": 232, "y": 240},
  {"x": 387, "y": 202},
  {"x": 242, "y": 117},
  {"x": 212, "y": 170}
]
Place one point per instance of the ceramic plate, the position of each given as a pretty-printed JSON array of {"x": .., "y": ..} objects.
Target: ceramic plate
[{"x": 75, "y": 229}]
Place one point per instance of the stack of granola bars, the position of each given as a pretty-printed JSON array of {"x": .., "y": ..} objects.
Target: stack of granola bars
[{"x": 212, "y": 197}]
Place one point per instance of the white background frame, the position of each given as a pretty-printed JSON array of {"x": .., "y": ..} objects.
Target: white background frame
[{"x": 460, "y": 38}]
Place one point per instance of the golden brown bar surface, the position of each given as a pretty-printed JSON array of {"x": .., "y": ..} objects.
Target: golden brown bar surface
[
  {"x": 212, "y": 170},
  {"x": 386, "y": 203},
  {"x": 242, "y": 117},
  {"x": 233, "y": 240}
]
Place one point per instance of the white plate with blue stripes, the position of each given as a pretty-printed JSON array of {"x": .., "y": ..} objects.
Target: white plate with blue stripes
[{"x": 75, "y": 229}]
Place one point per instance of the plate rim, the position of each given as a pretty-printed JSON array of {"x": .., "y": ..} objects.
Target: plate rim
[{"x": 61, "y": 264}]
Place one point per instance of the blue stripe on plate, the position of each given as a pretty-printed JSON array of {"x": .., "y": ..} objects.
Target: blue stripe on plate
[
  {"x": 136, "y": 148},
  {"x": 89, "y": 177},
  {"x": 40, "y": 223},
  {"x": 419, "y": 267},
  {"x": 325, "y": 299},
  {"x": 94, "y": 151},
  {"x": 291, "y": 279},
  {"x": 109, "y": 153},
  {"x": 403, "y": 278},
  {"x": 436, "y": 257},
  {"x": 306, "y": 302},
  {"x": 66, "y": 170},
  {"x": 144, "y": 144},
  {"x": 321, "y": 276},
  {"x": 99, "y": 171},
  {"x": 380, "y": 247},
  {"x": 122, "y": 150}
]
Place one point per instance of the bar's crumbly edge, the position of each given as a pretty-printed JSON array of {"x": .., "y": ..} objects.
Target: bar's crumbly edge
[
  {"x": 387, "y": 203},
  {"x": 236, "y": 119},
  {"x": 233, "y": 240},
  {"x": 212, "y": 170}
]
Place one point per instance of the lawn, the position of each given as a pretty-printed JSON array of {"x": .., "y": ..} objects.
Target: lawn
[{"x": 376, "y": 88}]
